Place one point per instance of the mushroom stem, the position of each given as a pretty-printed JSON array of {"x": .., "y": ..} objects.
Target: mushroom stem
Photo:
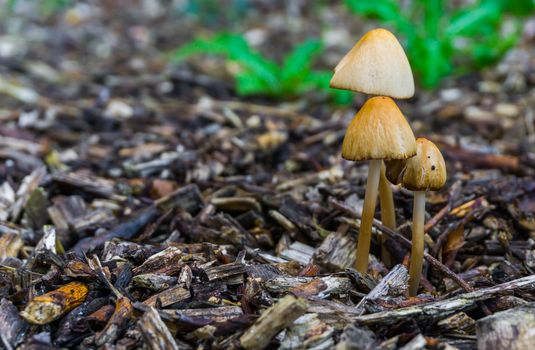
[
  {"x": 368, "y": 212},
  {"x": 388, "y": 215},
  {"x": 417, "y": 251}
]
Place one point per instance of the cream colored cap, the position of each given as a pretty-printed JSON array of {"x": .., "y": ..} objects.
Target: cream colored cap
[
  {"x": 376, "y": 65},
  {"x": 425, "y": 171},
  {"x": 379, "y": 131}
]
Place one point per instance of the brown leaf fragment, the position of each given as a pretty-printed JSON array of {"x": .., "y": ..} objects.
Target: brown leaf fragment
[
  {"x": 272, "y": 321},
  {"x": 155, "y": 333},
  {"x": 454, "y": 241},
  {"x": 48, "y": 307},
  {"x": 309, "y": 289},
  {"x": 161, "y": 188}
]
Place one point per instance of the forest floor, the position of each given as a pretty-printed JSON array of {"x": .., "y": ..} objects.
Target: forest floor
[{"x": 167, "y": 212}]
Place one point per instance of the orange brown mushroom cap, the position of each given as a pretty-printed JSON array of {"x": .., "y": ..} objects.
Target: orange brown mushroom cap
[
  {"x": 425, "y": 171},
  {"x": 376, "y": 65},
  {"x": 379, "y": 131}
]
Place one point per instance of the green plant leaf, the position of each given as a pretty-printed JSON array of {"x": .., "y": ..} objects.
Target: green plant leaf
[
  {"x": 468, "y": 21},
  {"x": 297, "y": 64},
  {"x": 247, "y": 84}
]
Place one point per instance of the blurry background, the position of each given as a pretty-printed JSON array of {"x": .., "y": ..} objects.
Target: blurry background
[{"x": 473, "y": 60}]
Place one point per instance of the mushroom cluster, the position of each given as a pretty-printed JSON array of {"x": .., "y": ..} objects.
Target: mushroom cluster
[{"x": 377, "y": 65}]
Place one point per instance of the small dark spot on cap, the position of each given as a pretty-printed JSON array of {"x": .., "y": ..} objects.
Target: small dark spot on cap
[
  {"x": 433, "y": 167},
  {"x": 428, "y": 157}
]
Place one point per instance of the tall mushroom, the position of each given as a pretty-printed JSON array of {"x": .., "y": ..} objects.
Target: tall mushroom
[
  {"x": 378, "y": 132},
  {"x": 377, "y": 65},
  {"x": 423, "y": 172}
]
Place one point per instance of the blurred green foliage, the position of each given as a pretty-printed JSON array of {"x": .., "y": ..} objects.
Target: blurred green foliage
[
  {"x": 46, "y": 7},
  {"x": 214, "y": 13},
  {"x": 440, "y": 39},
  {"x": 259, "y": 75}
]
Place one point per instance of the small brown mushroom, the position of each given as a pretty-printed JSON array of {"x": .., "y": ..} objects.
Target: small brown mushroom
[
  {"x": 423, "y": 172},
  {"x": 378, "y": 132}
]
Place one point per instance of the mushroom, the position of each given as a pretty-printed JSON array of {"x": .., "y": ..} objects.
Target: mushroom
[
  {"x": 377, "y": 65},
  {"x": 423, "y": 172},
  {"x": 378, "y": 132},
  {"x": 388, "y": 213}
]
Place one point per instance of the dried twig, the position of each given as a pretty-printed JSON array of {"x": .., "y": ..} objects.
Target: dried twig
[{"x": 440, "y": 309}]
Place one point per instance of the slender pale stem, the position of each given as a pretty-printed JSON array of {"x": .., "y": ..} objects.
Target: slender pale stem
[
  {"x": 388, "y": 214},
  {"x": 417, "y": 252},
  {"x": 368, "y": 211}
]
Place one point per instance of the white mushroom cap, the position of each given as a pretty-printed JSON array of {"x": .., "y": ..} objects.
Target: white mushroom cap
[{"x": 376, "y": 65}]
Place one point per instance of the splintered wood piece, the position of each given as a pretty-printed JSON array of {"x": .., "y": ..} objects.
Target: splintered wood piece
[
  {"x": 440, "y": 309},
  {"x": 215, "y": 314},
  {"x": 169, "y": 296},
  {"x": 309, "y": 330},
  {"x": 235, "y": 269},
  {"x": 299, "y": 252},
  {"x": 154, "y": 281},
  {"x": 155, "y": 333},
  {"x": 102, "y": 315},
  {"x": 336, "y": 252},
  {"x": 12, "y": 327},
  {"x": 78, "y": 269},
  {"x": 393, "y": 284},
  {"x": 166, "y": 260},
  {"x": 94, "y": 217},
  {"x": 459, "y": 322},
  {"x": 29, "y": 184},
  {"x": 236, "y": 204},
  {"x": 123, "y": 313},
  {"x": 322, "y": 287},
  {"x": 65, "y": 210},
  {"x": 272, "y": 321},
  {"x": 48, "y": 307},
  {"x": 309, "y": 286},
  {"x": 7, "y": 199},
  {"x": 507, "y": 330},
  {"x": 355, "y": 337},
  {"x": 187, "y": 198},
  {"x": 87, "y": 182}
]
